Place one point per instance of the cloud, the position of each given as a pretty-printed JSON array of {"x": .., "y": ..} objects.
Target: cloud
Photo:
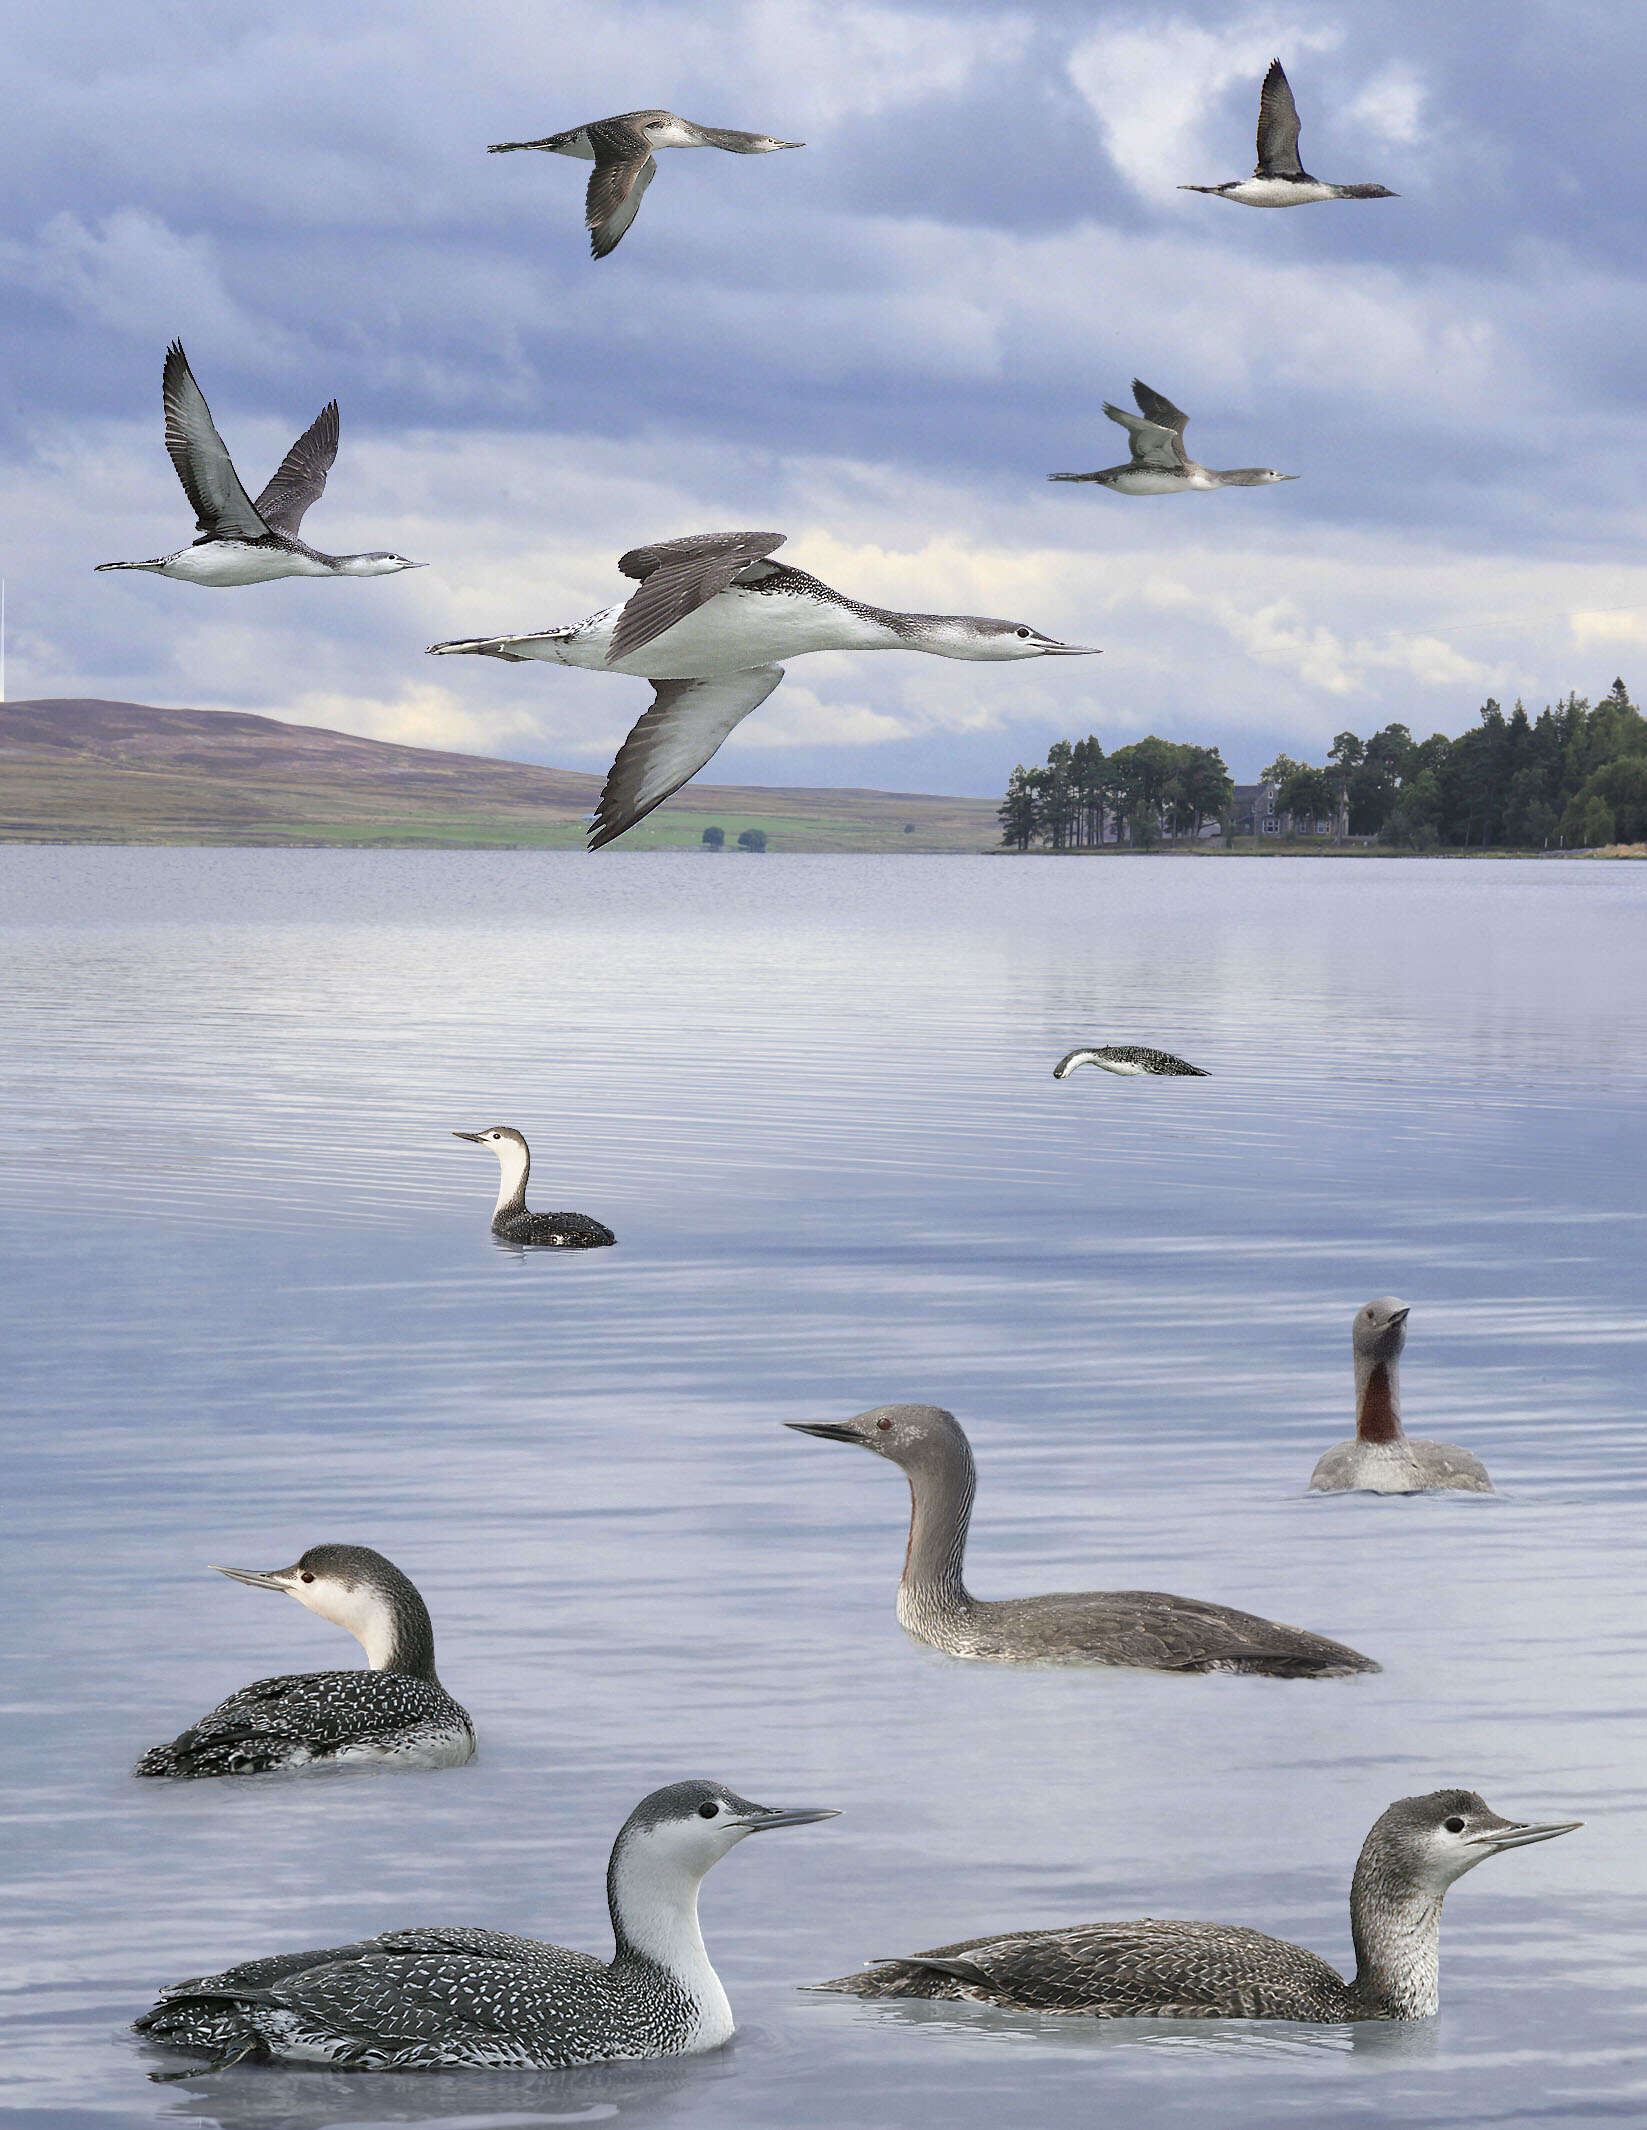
[{"x": 1153, "y": 87}]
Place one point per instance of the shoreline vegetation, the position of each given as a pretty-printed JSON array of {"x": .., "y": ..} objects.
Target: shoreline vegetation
[
  {"x": 91, "y": 772},
  {"x": 1573, "y": 781}
]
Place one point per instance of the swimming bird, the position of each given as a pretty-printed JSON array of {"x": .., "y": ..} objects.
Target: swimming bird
[
  {"x": 1380, "y": 1458},
  {"x": 1166, "y": 1970},
  {"x": 1143, "y": 1628},
  {"x": 511, "y": 1222},
  {"x": 1280, "y": 179},
  {"x": 621, "y": 150},
  {"x": 439, "y": 1999},
  {"x": 711, "y": 616},
  {"x": 1160, "y": 466},
  {"x": 1128, "y": 1059},
  {"x": 236, "y": 540},
  {"x": 395, "y": 1713}
]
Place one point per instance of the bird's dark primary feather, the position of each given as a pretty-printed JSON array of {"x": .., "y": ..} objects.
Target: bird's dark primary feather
[
  {"x": 679, "y": 576},
  {"x": 300, "y": 479},
  {"x": 1277, "y": 128},
  {"x": 222, "y": 508}
]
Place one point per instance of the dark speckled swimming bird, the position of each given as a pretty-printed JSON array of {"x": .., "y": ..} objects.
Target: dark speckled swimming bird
[
  {"x": 511, "y": 1222},
  {"x": 1129, "y": 1060},
  {"x": 1146, "y": 1629},
  {"x": 621, "y": 150},
  {"x": 395, "y": 1713},
  {"x": 1167, "y": 1970},
  {"x": 426, "y": 2000},
  {"x": 1381, "y": 1458}
]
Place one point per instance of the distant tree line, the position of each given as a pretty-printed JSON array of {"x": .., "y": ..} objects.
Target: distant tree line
[{"x": 1575, "y": 775}]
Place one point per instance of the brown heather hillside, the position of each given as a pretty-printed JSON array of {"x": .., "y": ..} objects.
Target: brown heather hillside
[{"x": 100, "y": 772}]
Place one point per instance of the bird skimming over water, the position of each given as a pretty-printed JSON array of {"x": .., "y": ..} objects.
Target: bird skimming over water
[
  {"x": 1160, "y": 466},
  {"x": 395, "y": 1713},
  {"x": 236, "y": 540},
  {"x": 1280, "y": 179},
  {"x": 446, "y": 1999},
  {"x": 1129, "y": 1060},
  {"x": 711, "y": 618},
  {"x": 1167, "y": 1970},
  {"x": 1145, "y": 1629},
  {"x": 621, "y": 150}
]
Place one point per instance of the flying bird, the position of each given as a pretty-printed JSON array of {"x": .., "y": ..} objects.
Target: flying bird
[
  {"x": 1129, "y": 1060},
  {"x": 711, "y": 618},
  {"x": 621, "y": 150},
  {"x": 1280, "y": 179},
  {"x": 236, "y": 540},
  {"x": 1160, "y": 466}
]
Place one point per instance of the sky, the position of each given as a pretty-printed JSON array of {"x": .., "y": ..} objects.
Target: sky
[{"x": 880, "y": 345}]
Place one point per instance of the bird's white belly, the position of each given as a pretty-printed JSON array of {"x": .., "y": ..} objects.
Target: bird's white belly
[
  {"x": 220, "y": 564},
  {"x": 1152, "y": 484},
  {"x": 1277, "y": 192},
  {"x": 450, "y": 1749},
  {"x": 734, "y": 630}
]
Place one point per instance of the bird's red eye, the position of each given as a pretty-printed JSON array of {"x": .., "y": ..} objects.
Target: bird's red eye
[
  {"x": 306, "y": 1577},
  {"x": 883, "y": 1425}
]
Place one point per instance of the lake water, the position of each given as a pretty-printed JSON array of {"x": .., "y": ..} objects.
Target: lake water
[{"x": 253, "y": 1305}]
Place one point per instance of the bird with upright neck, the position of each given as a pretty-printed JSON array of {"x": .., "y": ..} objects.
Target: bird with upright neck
[
  {"x": 1146, "y": 1629},
  {"x": 512, "y": 1222},
  {"x": 394, "y": 1713},
  {"x": 1417, "y": 1849},
  {"x": 1381, "y": 1458},
  {"x": 1279, "y": 179},
  {"x": 621, "y": 150},
  {"x": 236, "y": 540},
  {"x": 464, "y": 1998},
  {"x": 712, "y": 617}
]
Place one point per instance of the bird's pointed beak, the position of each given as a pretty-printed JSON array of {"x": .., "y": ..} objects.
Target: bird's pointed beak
[
  {"x": 259, "y": 1578},
  {"x": 825, "y": 1430},
  {"x": 1521, "y": 1834},
  {"x": 474, "y": 1138},
  {"x": 1400, "y": 1316},
  {"x": 762, "y": 1821},
  {"x": 1070, "y": 650}
]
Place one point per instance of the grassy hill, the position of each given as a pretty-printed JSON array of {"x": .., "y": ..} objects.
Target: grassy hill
[{"x": 98, "y": 772}]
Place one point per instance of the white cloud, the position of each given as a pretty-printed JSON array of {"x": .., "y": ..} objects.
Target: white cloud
[{"x": 1153, "y": 87}]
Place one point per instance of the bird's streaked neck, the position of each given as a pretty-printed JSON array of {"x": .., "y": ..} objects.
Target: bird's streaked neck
[
  {"x": 940, "y": 1511},
  {"x": 1378, "y": 1399},
  {"x": 1397, "y": 1935}
]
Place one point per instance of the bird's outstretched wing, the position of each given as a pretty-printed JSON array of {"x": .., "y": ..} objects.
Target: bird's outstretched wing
[
  {"x": 687, "y": 722},
  {"x": 1156, "y": 407},
  {"x": 1158, "y": 448},
  {"x": 300, "y": 479},
  {"x": 678, "y": 576},
  {"x": 624, "y": 167},
  {"x": 1277, "y": 127},
  {"x": 222, "y": 508}
]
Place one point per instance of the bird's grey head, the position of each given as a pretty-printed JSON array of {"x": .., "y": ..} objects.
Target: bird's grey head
[
  {"x": 1423, "y": 1844},
  {"x": 375, "y": 565},
  {"x": 728, "y": 138},
  {"x": 1255, "y": 477},
  {"x": 352, "y": 1586},
  {"x": 1367, "y": 192},
  {"x": 501, "y": 1138},
  {"x": 689, "y": 1826},
  {"x": 912, "y": 1436},
  {"x": 977, "y": 636},
  {"x": 1380, "y": 1329}
]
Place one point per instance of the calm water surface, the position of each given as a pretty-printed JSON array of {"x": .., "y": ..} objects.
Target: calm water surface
[{"x": 252, "y": 1305}]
